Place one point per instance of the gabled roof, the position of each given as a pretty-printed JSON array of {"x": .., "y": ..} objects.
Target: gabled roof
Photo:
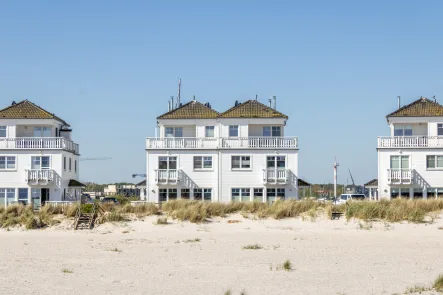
[
  {"x": 422, "y": 107},
  {"x": 252, "y": 109},
  {"x": 301, "y": 182},
  {"x": 373, "y": 182},
  {"x": 191, "y": 110},
  {"x": 75, "y": 183},
  {"x": 141, "y": 183},
  {"x": 27, "y": 110}
]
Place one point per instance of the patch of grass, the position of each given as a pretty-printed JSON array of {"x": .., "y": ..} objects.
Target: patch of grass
[
  {"x": 116, "y": 250},
  {"x": 65, "y": 270},
  {"x": 113, "y": 217},
  {"x": 287, "y": 265},
  {"x": 438, "y": 283},
  {"x": 365, "y": 225},
  {"x": 417, "y": 289},
  {"x": 233, "y": 221},
  {"x": 196, "y": 240},
  {"x": 162, "y": 221},
  {"x": 228, "y": 292},
  {"x": 253, "y": 247}
]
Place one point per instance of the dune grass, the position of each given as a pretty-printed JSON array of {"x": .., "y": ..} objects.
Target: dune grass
[
  {"x": 253, "y": 247},
  {"x": 438, "y": 283}
]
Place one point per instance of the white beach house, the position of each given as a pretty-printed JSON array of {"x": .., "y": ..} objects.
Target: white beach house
[
  {"x": 38, "y": 160},
  {"x": 410, "y": 160},
  {"x": 241, "y": 154}
]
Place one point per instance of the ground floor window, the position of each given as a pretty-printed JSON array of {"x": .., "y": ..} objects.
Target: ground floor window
[
  {"x": 400, "y": 193},
  {"x": 185, "y": 193},
  {"x": 240, "y": 194},
  {"x": 207, "y": 194},
  {"x": 7, "y": 196},
  {"x": 435, "y": 193},
  {"x": 275, "y": 194},
  {"x": 258, "y": 195},
  {"x": 23, "y": 195},
  {"x": 167, "y": 194},
  {"x": 203, "y": 194},
  {"x": 418, "y": 193}
]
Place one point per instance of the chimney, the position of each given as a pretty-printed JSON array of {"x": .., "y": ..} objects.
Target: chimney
[
  {"x": 275, "y": 102},
  {"x": 172, "y": 103},
  {"x": 169, "y": 106},
  {"x": 270, "y": 103},
  {"x": 398, "y": 98}
]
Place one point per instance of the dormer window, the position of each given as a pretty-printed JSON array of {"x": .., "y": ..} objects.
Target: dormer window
[
  {"x": 174, "y": 132},
  {"x": 2, "y": 131},
  {"x": 402, "y": 130}
]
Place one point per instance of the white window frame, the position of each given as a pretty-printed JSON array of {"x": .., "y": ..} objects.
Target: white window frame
[
  {"x": 272, "y": 129},
  {"x": 168, "y": 193},
  {"x": 436, "y": 167},
  {"x": 401, "y": 167},
  {"x": 5, "y": 194},
  {"x": 203, "y": 191},
  {"x": 242, "y": 192},
  {"x": 207, "y": 128},
  {"x": 234, "y": 128},
  {"x": 189, "y": 193},
  {"x": 241, "y": 162},
  {"x": 40, "y": 156},
  {"x": 254, "y": 192},
  {"x": 5, "y": 128},
  {"x": 202, "y": 159},
  {"x": 6, "y": 162},
  {"x": 41, "y": 130},
  {"x": 174, "y": 131},
  {"x": 275, "y": 161},
  {"x": 439, "y": 127},
  {"x": 168, "y": 161},
  {"x": 403, "y": 128}
]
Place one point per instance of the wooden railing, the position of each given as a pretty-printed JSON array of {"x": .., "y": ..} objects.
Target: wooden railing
[
  {"x": 39, "y": 175},
  {"x": 410, "y": 141},
  {"x": 221, "y": 142},
  {"x": 400, "y": 175},
  {"x": 166, "y": 175},
  {"x": 34, "y": 143},
  {"x": 272, "y": 175}
]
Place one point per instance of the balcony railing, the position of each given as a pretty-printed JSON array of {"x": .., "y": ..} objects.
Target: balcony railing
[
  {"x": 33, "y": 143},
  {"x": 410, "y": 142},
  {"x": 222, "y": 142},
  {"x": 400, "y": 176},
  {"x": 275, "y": 176},
  {"x": 165, "y": 176},
  {"x": 39, "y": 175}
]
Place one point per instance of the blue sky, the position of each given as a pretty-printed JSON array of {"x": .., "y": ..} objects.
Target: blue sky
[{"x": 336, "y": 67}]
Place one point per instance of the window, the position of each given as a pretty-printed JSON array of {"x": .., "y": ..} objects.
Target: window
[
  {"x": 271, "y": 131},
  {"x": 399, "y": 162},
  {"x": 165, "y": 163},
  {"x": 203, "y": 194},
  {"x": 400, "y": 192},
  {"x": 7, "y": 163},
  {"x": 42, "y": 131},
  {"x": 198, "y": 193},
  {"x": 276, "y": 162},
  {"x": 7, "y": 196},
  {"x": 439, "y": 129},
  {"x": 433, "y": 162},
  {"x": 174, "y": 132},
  {"x": 275, "y": 194},
  {"x": 40, "y": 163},
  {"x": 240, "y": 162},
  {"x": 185, "y": 194},
  {"x": 64, "y": 163},
  {"x": 75, "y": 165},
  {"x": 434, "y": 193},
  {"x": 2, "y": 131},
  {"x": 418, "y": 193},
  {"x": 167, "y": 194},
  {"x": 258, "y": 195},
  {"x": 172, "y": 194},
  {"x": 233, "y": 131},
  {"x": 202, "y": 162},
  {"x": 402, "y": 130},
  {"x": 70, "y": 164},
  {"x": 23, "y": 195},
  {"x": 209, "y": 131},
  {"x": 240, "y": 194}
]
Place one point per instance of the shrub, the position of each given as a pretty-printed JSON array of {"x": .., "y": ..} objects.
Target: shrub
[
  {"x": 287, "y": 265},
  {"x": 162, "y": 220},
  {"x": 438, "y": 284},
  {"x": 253, "y": 247}
]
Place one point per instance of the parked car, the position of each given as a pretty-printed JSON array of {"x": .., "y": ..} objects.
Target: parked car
[
  {"x": 109, "y": 200},
  {"x": 349, "y": 197}
]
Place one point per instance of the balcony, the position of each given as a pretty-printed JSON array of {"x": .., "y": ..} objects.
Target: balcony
[
  {"x": 410, "y": 142},
  {"x": 38, "y": 176},
  {"x": 222, "y": 143},
  {"x": 38, "y": 143},
  {"x": 167, "y": 176},
  {"x": 275, "y": 176},
  {"x": 400, "y": 176}
]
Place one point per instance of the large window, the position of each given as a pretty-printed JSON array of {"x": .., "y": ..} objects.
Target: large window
[
  {"x": 418, "y": 193},
  {"x": 275, "y": 194},
  {"x": 241, "y": 162},
  {"x": 7, "y": 196},
  {"x": 434, "y": 162},
  {"x": 70, "y": 164},
  {"x": 434, "y": 193},
  {"x": 399, "y": 162},
  {"x": 174, "y": 132},
  {"x": 167, "y": 194},
  {"x": 440, "y": 129},
  {"x": 201, "y": 162},
  {"x": 40, "y": 162},
  {"x": 402, "y": 130},
  {"x": 7, "y": 163},
  {"x": 166, "y": 163},
  {"x": 271, "y": 131},
  {"x": 203, "y": 194},
  {"x": 400, "y": 193},
  {"x": 258, "y": 195},
  {"x": 240, "y": 194},
  {"x": 42, "y": 131},
  {"x": 185, "y": 194},
  {"x": 209, "y": 131},
  {"x": 23, "y": 195},
  {"x": 276, "y": 162},
  {"x": 2, "y": 131},
  {"x": 233, "y": 131}
]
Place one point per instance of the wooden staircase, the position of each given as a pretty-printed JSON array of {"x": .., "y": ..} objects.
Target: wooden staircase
[{"x": 85, "y": 220}]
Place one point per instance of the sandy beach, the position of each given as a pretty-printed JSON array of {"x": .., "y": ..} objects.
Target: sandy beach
[{"x": 139, "y": 257}]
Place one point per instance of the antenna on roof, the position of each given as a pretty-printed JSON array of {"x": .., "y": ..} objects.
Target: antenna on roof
[
  {"x": 275, "y": 102},
  {"x": 398, "y": 99},
  {"x": 179, "y": 88}
]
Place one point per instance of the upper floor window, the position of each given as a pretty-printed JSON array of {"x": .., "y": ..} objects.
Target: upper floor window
[
  {"x": 276, "y": 162},
  {"x": 209, "y": 131},
  {"x": 42, "y": 131},
  {"x": 233, "y": 131},
  {"x": 75, "y": 166},
  {"x": 271, "y": 131},
  {"x": 2, "y": 131},
  {"x": 434, "y": 162},
  {"x": 399, "y": 162},
  {"x": 40, "y": 162},
  {"x": 174, "y": 132},
  {"x": 439, "y": 129},
  {"x": 241, "y": 162},
  {"x": 64, "y": 163},
  {"x": 7, "y": 163},
  {"x": 167, "y": 163},
  {"x": 402, "y": 130},
  {"x": 202, "y": 162},
  {"x": 70, "y": 164}
]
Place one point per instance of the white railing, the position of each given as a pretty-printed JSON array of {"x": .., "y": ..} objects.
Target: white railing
[
  {"x": 410, "y": 141},
  {"x": 37, "y": 175},
  {"x": 33, "y": 143},
  {"x": 400, "y": 175},
  {"x": 275, "y": 176},
  {"x": 60, "y": 203},
  {"x": 166, "y": 175},
  {"x": 221, "y": 142}
]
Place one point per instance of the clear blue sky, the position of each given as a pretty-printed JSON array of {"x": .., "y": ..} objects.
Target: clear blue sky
[{"x": 336, "y": 67}]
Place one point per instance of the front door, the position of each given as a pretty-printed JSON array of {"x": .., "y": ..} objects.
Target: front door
[{"x": 45, "y": 195}]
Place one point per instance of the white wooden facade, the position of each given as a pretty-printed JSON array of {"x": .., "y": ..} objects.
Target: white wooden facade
[
  {"x": 38, "y": 160},
  {"x": 222, "y": 159},
  {"x": 410, "y": 160}
]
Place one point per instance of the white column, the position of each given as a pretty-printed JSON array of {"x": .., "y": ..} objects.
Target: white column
[
  {"x": 425, "y": 193},
  {"x": 411, "y": 193},
  {"x": 264, "y": 195},
  {"x": 16, "y": 194}
]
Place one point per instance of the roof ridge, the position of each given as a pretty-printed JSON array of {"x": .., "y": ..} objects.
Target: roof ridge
[
  {"x": 26, "y": 101},
  {"x": 422, "y": 99}
]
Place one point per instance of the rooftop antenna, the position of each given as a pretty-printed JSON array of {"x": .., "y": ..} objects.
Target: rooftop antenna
[
  {"x": 398, "y": 99},
  {"x": 275, "y": 102},
  {"x": 172, "y": 103},
  {"x": 179, "y": 88}
]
